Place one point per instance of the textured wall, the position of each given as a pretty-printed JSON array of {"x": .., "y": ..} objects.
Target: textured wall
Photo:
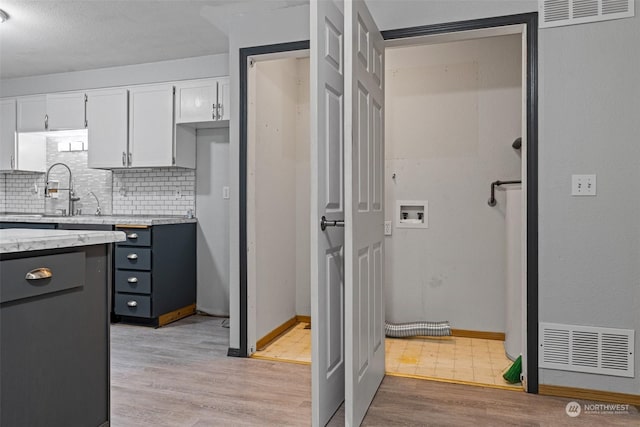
[{"x": 452, "y": 112}]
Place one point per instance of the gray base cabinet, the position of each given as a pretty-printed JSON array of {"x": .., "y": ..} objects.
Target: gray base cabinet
[
  {"x": 54, "y": 353},
  {"x": 155, "y": 273}
]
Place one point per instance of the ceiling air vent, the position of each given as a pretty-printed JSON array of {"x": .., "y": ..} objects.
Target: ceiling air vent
[
  {"x": 587, "y": 349},
  {"x": 555, "y": 13}
]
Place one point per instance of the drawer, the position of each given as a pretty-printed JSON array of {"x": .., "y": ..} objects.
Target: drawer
[
  {"x": 67, "y": 272},
  {"x": 137, "y": 282},
  {"x": 133, "y": 258},
  {"x": 136, "y": 236},
  {"x": 133, "y": 305}
]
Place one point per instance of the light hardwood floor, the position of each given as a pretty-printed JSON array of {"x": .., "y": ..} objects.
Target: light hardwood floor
[{"x": 179, "y": 375}]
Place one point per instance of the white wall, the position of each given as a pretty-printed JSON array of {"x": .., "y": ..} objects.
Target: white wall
[
  {"x": 452, "y": 113},
  {"x": 589, "y": 102},
  {"x": 163, "y": 71},
  {"x": 303, "y": 191},
  {"x": 272, "y": 173},
  {"x": 212, "y": 211},
  {"x": 278, "y": 190},
  {"x": 283, "y": 25}
]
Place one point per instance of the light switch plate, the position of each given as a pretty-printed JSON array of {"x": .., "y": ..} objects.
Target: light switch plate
[
  {"x": 583, "y": 185},
  {"x": 387, "y": 228},
  {"x": 225, "y": 192}
]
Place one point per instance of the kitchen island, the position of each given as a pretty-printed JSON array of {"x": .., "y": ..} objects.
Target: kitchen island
[{"x": 54, "y": 327}]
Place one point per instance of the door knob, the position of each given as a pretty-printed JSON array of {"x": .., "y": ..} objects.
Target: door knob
[{"x": 324, "y": 223}]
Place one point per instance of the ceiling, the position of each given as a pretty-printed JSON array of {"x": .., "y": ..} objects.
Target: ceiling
[{"x": 48, "y": 36}]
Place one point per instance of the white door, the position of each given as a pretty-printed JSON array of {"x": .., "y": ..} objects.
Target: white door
[
  {"x": 364, "y": 195},
  {"x": 196, "y": 101},
  {"x": 107, "y": 116},
  {"x": 7, "y": 134},
  {"x": 327, "y": 199},
  {"x": 32, "y": 111},
  {"x": 66, "y": 111},
  {"x": 224, "y": 87},
  {"x": 151, "y": 126}
]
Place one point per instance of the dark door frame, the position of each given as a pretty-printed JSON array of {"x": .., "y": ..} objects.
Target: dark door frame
[{"x": 531, "y": 21}]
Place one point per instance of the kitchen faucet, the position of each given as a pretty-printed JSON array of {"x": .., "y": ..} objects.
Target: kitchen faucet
[
  {"x": 98, "y": 210},
  {"x": 72, "y": 195}
]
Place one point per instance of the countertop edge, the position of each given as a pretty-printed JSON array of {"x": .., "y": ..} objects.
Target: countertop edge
[{"x": 20, "y": 240}]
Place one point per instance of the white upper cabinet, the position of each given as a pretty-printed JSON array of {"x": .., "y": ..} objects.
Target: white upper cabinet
[
  {"x": 32, "y": 112},
  {"x": 59, "y": 111},
  {"x": 66, "y": 111},
  {"x": 224, "y": 96},
  {"x": 151, "y": 127},
  {"x": 107, "y": 117},
  {"x": 196, "y": 101},
  {"x": 7, "y": 134},
  {"x": 203, "y": 103}
]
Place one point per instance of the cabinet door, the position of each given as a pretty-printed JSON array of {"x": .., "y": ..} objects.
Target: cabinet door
[
  {"x": 7, "y": 134},
  {"x": 66, "y": 111},
  {"x": 31, "y": 113},
  {"x": 223, "y": 98},
  {"x": 195, "y": 101},
  {"x": 107, "y": 115},
  {"x": 151, "y": 126}
]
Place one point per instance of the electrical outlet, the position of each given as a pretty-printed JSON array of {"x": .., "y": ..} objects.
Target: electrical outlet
[
  {"x": 387, "y": 228},
  {"x": 583, "y": 185},
  {"x": 225, "y": 192},
  {"x": 178, "y": 194}
]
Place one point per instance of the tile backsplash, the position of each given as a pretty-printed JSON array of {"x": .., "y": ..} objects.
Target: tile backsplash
[
  {"x": 84, "y": 179},
  {"x": 158, "y": 191}
]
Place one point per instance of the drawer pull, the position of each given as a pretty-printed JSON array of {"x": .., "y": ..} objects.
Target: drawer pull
[
  {"x": 132, "y": 280},
  {"x": 132, "y": 303},
  {"x": 132, "y": 236},
  {"x": 39, "y": 273},
  {"x": 132, "y": 256}
]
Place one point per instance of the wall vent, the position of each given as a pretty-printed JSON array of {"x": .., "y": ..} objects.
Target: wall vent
[
  {"x": 555, "y": 13},
  {"x": 587, "y": 349}
]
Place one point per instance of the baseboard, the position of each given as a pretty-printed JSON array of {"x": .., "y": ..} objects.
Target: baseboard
[
  {"x": 498, "y": 336},
  {"x": 587, "y": 394},
  {"x": 303, "y": 319},
  {"x": 233, "y": 352},
  {"x": 176, "y": 315},
  {"x": 264, "y": 341}
]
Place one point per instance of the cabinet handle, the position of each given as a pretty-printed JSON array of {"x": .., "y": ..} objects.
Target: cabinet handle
[
  {"x": 220, "y": 111},
  {"x": 132, "y": 280},
  {"x": 129, "y": 158},
  {"x": 86, "y": 99},
  {"x": 132, "y": 256},
  {"x": 124, "y": 159},
  {"x": 132, "y": 303},
  {"x": 46, "y": 121},
  {"x": 39, "y": 273},
  {"x": 213, "y": 111},
  {"x": 12, "y": 161},
  {"x": 132, "y": 236}
]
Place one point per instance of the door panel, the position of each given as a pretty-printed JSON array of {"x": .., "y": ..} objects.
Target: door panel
[
  {"x": 364, "y": 195},
  {"x": 327, "y": 199},
  {"x": 107, "y": 116}
]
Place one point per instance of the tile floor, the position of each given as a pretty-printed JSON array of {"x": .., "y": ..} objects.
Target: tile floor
[{"x": 458, "y": 359}]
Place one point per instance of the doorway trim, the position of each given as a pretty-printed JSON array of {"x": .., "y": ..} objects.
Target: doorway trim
[
  {"x": 531, "y": 22},
  {"x": 245, "y": 53}
]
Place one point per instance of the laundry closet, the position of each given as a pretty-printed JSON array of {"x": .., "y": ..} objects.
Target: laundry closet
[{"x": 453, "y": 110}]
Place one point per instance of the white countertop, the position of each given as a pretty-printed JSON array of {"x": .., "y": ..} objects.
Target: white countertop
[
  {"x": 23, "y": 240},
  {"x": 93, "y": 219}
]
